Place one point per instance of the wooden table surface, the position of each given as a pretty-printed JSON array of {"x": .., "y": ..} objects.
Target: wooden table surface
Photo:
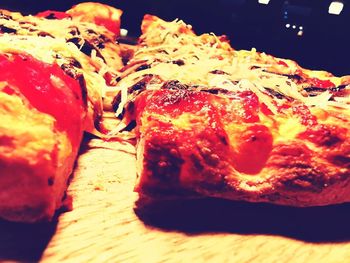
[{"x": 108, "y": 224}]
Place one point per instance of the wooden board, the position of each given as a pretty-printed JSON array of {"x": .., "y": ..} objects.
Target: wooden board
[{"x": 108, "y": 224}]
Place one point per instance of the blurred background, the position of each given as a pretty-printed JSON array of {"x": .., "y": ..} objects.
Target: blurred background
[{"x": 302, "y": 30}]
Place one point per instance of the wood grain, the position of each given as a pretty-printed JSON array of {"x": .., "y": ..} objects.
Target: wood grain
[{"x": 109, "y": 224}]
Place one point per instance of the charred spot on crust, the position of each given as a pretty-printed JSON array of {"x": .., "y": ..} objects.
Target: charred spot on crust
[
  {"x": 135, "y": 90},
  {"x": 70, "y": 69},
  {"x": 45, "y": 34},
  {"x": 141, "y": 85},
  {"x": 179, "y": 92},
  {"x": 297, "y": 78},
  {"x": 90, "y": 31},
  {"x": 129, "y": 108},
  {"x": 100, "y": 42},
  {"x": 218, "y": 72},
  {"x": 85, "y": 46},
  {"x": 52, "y": 16},
  {"x": 340, "y": 160},
  {"x": 174, "y": 85},
  {"x": 217, "y": 91},
  {"x": 196, "y": 162},
  {"x": 5, "y": 29},
  {"x": 96, "y": 39},
  {"x": 324, "y": 135},
  {"x": 50, "y": 181},
  {"x": 163, "y": 159},
  {"x": 84, "y": 91},
  {"x": 143, "y": 67},
  {"x": 337, "y": 89},
  {"x": 290, "y": 156},
  {"x": 116, "y": 101},
  {"x": 314, "y": 91},
  {"x": 298, "y": 172},
  {"x": 305, "y": 179},
  {"x": 130, "y": 126},
  {"x": 179, "y": 62},
  {"x": 178, "y": 95},
  {"x": 4, "y": 16},
  {"x": 74, "y": 31},
  {"x": 275, "y": 93},
  {"x": 212, "y": 91}
]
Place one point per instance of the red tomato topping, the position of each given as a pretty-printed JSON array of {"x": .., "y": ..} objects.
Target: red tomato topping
[
  {"x": 254, "y": 149},
  {"x": 250, "y": 106},
  {"x": 265, "y": 110},
  {"x": 48, "y": 89},
  {"x": 325, "y": 84},
  {"x": 176, "y": 102},
  {"x": 304, "y": 113},
  {"x": 53, "y": 14},
  {"x": 8, "y": 90},
  {"x": 283, "y": 107},
  {"x": 107, "y": 23},
  {"x": 280, "y": 62},
  {"x": 324, "y": 135}
]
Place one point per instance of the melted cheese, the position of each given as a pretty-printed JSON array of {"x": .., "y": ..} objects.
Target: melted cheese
[
  {"x": 52, "y": 50},
  {"x": 40, "y": 33},
  {"x": 206, "y": 53}
]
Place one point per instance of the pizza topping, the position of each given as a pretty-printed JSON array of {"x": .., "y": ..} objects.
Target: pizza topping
[
  {"x": 265, "y": 110},
  {"x": 4, "y": 16},
  {"x": 305, "y": 115},
  {"x": 87, "y": 36},
  {"x": 250, "y": 106},
  {"x": 49, "y": 14},
  {"x": 280, "y": 62},
  {"x": 324, "y": 135},
  {"x": 210, "y": 62},
  {"x": 174, "y": 85},
  {"x": 143, "y": 67},
  {"x": 255, "y": 145},
  {"x": 51, "y": 50},
  {"x": 47, "y": 89},
  {"x": 325, "y": 84},
  {"x": 5, "y": 29},
  {"x": 99, "y": 14}
]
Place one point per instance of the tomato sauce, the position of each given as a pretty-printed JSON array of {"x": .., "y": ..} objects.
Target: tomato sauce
[
  {"x": 305, "y": 115},
  {"x": 48, "y": 89},
  {"x": 250, "y": 106},
  {"x": 282, "y": 63},
  {"x": 324, "y": 84},
  {"x": 49, "y": 14},
  {"x": 324, "y": 135},
  {"x": 255, "y": 145}
]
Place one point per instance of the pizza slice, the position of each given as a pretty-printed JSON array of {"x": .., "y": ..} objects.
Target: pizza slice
[
  {"x": 53, "y": 73},
  {"x": 241, "y": 125}
]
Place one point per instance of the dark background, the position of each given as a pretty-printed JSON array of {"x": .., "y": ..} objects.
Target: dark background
[{"x": 324, "y": 44}]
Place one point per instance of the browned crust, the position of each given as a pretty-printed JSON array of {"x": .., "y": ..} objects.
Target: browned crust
[
  {"x": 311, "y": 169},
  {"x": 35, "y": 162},
  {"x": 293, "y": 179}
]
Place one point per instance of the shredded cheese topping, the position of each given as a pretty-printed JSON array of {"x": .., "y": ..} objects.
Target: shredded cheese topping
[
  {"x": 41, "y": 32},
  {"x": 191, "y": 59}
]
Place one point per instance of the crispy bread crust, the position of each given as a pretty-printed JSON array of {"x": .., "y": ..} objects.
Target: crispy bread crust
[
  {"x": 183, "y": 155},
  {"x": 35, "y": 162}
]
